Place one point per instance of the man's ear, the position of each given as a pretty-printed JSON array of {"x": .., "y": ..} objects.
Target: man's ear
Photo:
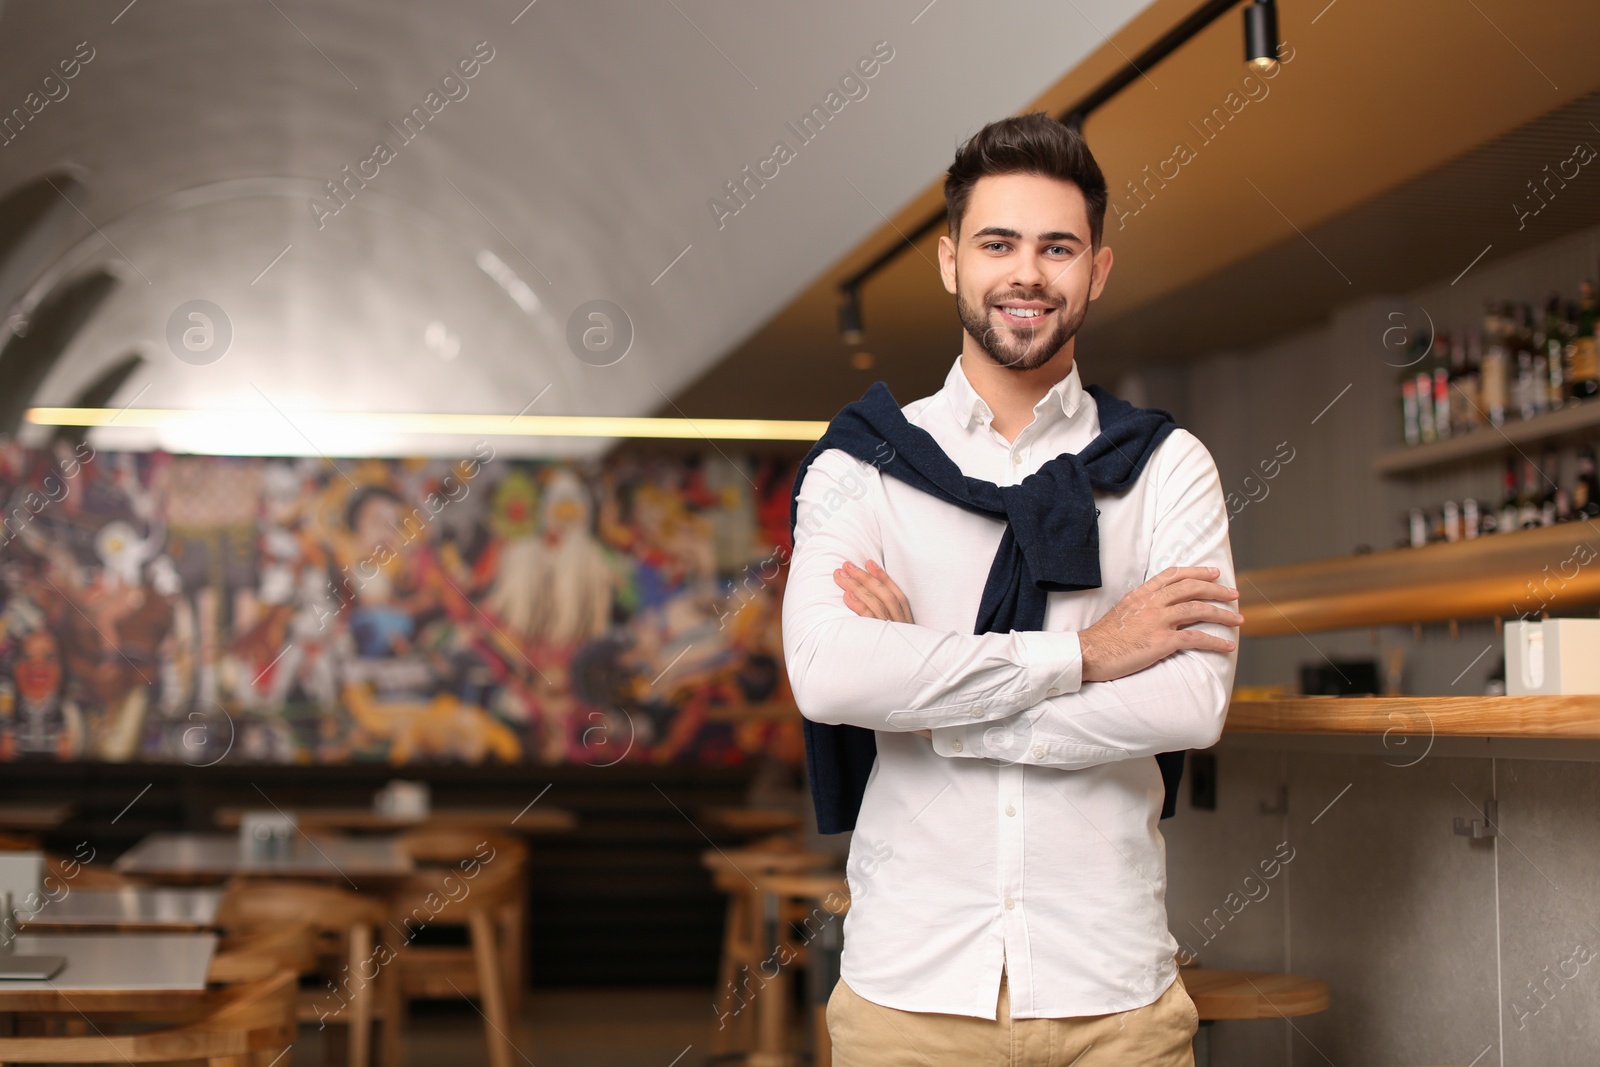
[
  {"x": 947, "y": 264},
  {"x": 1100, "y": 266}
]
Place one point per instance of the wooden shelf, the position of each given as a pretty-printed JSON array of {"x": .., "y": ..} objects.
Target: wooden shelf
[
  {"x": 1493, "y": 576},
  {"x": 1570, "y": 717},
  {"x": 1574, "y": 419}
]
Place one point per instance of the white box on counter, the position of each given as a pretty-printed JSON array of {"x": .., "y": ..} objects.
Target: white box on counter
[{"x": 1551, "y": 656}]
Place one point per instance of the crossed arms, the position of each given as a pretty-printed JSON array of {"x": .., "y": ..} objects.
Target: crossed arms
[{"x": 1151, "y": 675}]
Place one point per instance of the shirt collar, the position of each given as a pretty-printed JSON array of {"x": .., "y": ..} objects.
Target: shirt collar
[{"x": 970, "y": 409}]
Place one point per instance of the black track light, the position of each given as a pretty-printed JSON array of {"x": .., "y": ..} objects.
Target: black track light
[
  {"x": 1261, "y": 36},
  {"x": 850, "y": 317}
]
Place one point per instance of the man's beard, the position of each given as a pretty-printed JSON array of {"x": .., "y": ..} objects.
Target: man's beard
[{"x": 1017, "y": 349}]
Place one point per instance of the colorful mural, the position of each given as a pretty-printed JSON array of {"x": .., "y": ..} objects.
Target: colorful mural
[{"x": 200, "y": 608}]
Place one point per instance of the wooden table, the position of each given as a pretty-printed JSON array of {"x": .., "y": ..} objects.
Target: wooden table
[
  {"x": 113, "y": 972},
  {"x": 752, "y": 821},
  {"x": 184, "y": 857},
  {"x": 530, "y": 820},
  {"x": 133, "y": 908},
  {"x": 33, "y": 816}
]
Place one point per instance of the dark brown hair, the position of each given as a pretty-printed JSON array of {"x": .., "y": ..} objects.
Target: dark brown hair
[{"x": 1034, "y": 143}]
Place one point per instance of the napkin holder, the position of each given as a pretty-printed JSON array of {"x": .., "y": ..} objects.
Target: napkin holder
[
  {"x": 21, "y": 879},
  {"x": 1548, "y": 657}
]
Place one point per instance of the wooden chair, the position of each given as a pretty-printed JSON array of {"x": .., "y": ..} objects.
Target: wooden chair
[
  {"x": 745, "y": 933},
  {"x": 250, "y": 952},
  {"x": 247, "y": 1025},
  {"x": 76, "y": 875},
  {"x": 476, "y": 880},
  {"x": 347, "y": 926}
]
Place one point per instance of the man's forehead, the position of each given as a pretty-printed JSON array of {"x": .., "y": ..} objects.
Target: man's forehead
[{"x": 1029, "y": 205}]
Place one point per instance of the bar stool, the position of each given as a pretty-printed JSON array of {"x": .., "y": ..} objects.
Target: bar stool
[
  {"x": 800, "y": 897},
  {"x": 746, "y": 938},
  {"x": 1247, "y": 995}
]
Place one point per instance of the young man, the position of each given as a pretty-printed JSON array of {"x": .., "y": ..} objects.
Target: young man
[{"x": 1007, "y": 875}]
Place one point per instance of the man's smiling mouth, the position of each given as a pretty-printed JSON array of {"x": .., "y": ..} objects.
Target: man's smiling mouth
[{"x": 1025, "y": 314}]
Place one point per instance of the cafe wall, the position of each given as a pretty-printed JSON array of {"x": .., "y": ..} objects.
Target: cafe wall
[
  {"x": 159, "y": 607},
  {"x": 1436, "y": 947}
]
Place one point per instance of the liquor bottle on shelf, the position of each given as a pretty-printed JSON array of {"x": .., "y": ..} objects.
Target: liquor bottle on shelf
[
  {"x": 1586, "y": 491},
  {"x": 1509, "y": 519},
  {"x": 1528, "y": 499},
  {"x": 1409, "y": 426},
  {"x": 1555, "y": 344},
  {"x": 1524, "y": 388},
  {"x": 1418, "y": 524},
  {"x": 1532, "y": 389},
  {"x": 1547, "y": 497},
  {"x": 1469, "y": 389},
  {"x": 1493, "y": 367},
  {"x": 1422, "y": 373},
  {"x": 1452, "y": 520},
  {"x": 1585, "y": 362},
  {"x": 1443, "y": 401},
  {"x": 1462, "y": 387},
  {"x": 1471, "y": 521}
]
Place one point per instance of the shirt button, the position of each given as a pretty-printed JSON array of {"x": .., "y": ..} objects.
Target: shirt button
[
  {"x": 1010, "y": 810},
  {"x": 1053, "y": 691},
  {"x": 1038, "y": 752},
  {"x": 1010, "y": 903},
  {"x": 977, "y": 712},
  {"x": 957, "y": 745},
  {"x": 1016, "y": 457}
]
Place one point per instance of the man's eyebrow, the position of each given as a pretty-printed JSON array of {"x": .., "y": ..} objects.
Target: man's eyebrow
[{"x": 1002, "y": 231}]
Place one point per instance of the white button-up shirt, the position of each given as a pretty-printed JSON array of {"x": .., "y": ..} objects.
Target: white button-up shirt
[{"x": 1024, "y": 835}]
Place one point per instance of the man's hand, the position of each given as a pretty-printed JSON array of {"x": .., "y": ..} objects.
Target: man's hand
[
  {"x": 873, "y": 594},
  {"x": 1147, "y": 625}
]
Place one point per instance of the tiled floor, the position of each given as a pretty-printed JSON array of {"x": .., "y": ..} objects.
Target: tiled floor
[{"x": 560, "y": 1028}]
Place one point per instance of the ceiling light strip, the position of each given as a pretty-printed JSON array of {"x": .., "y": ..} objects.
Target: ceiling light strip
[{"x": 423, "y": 423}]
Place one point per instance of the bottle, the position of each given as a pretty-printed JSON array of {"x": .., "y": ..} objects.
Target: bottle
[
  {"x": 1409, "y": 426},
  {"x": 1419, "y": 528},
  {"x": 1554, "y": 349},
  {"x": 1443, "y": 401},
  {"x": 1493, "y": 368},
  {"x": 1547, "y": 499},
  {"x": 1423, "y": 376},
  {"x": 1471, "y": 522},
  {"x": 1523, "y": 391},
  {"x": 1529, "y": 499},
  {"x": 1585, "y": 364},
  {"x": 1586, "y": 491},
  {"x": 1508, "y": 520},
  {"x": 1452, "y": 521},
  {"x": 1469, "y": 387}
]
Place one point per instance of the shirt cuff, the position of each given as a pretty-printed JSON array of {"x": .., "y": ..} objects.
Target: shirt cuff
[{"x": 1054, "y": 662}]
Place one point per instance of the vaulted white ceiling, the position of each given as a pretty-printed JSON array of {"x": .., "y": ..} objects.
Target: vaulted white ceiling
[{"x": 578, "y": 163}]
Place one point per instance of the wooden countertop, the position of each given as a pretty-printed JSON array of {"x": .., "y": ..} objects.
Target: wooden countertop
[{"x": 1572, "y": 717}]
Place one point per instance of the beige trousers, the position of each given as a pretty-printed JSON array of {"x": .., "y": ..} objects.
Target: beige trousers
[{"x": 864, "y": 1034}]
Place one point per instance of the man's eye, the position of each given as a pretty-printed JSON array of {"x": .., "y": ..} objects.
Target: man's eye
[
  {"x": 996, "y": 244},
  {"x": 1061, "y": 249}
]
